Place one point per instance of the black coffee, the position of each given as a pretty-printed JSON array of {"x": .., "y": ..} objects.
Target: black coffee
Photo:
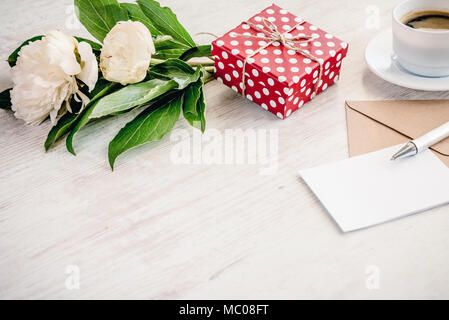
[{"x": 427, "y": 20}]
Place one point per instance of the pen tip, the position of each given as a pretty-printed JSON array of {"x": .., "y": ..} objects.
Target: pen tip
[{"x": 392, "y": 158}]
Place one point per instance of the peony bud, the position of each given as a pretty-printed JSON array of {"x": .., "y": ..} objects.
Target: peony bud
[{"x": 126, "y": 53}]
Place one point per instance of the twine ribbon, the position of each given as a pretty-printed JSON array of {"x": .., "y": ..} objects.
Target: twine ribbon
[{"x": 290, "y": 42}]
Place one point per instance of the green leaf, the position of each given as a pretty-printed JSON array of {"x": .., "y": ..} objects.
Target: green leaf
[
  {"x": 196, "y": 52},
  {"x": 68, "y": 121},
  {"x": 81, "y": 121},
  {"x": 201, "y": 108},
  {"x": 83, "y": 117},
  {"x": 167, "y": 42},
  {"x": 169, "y": 54},
  {"x": 167, "y": 47},
  {"x": 165, "y": 21},
  {"x": 102, "y": 87},
  {"x": 191, "y": 96},
  {"x": 12, "y": 59},
  {"x": 150, "y": 125},
  {"x": 136, "y": 14},
  {"x": 131, "y": 96},
  {"x": 60, "y": 129},
  {"x": 193, "y": 107},
  {"x": 177, "y": 70},
  {"x": 5, "y": 99},
  {"x": 100, "y": 16}
]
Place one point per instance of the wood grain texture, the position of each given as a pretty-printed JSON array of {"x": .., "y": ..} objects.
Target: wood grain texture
[{"x": 155, "y": 230}]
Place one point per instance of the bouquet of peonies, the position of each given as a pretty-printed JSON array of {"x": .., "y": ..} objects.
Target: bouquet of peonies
[{"x": 142, "y": 62}]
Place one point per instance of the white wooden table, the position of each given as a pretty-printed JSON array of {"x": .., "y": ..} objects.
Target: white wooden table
[{"x": 155, "y": 230}]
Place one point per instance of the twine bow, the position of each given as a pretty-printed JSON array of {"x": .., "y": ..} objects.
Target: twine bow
[{"x": 286, "y": 39}]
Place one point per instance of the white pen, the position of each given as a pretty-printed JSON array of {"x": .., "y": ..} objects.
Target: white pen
[{"x": 423, "y": 142}]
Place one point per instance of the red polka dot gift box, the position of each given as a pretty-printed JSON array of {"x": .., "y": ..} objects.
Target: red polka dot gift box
[{"x": 278, "y": 60}]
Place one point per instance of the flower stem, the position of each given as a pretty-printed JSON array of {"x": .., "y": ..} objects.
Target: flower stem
[
  {"x": 209, "y": 77},
  {"x": 208, "y": 67},
  {"x": 155, "y": 61},
  {"x": 194, "y": 64}
]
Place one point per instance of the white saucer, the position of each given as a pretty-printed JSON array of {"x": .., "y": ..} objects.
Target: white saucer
[{"x": 378, "y": 56}]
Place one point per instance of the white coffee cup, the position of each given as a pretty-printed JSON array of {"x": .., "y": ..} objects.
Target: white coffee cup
[{"x": 422, "y": 52}]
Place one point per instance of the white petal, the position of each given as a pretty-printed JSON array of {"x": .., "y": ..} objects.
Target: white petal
[
  {"x": 61, "y": 51},
  {"x": 7, "y": 75},
  {"x": 84, "y": 99},
  {"x": 89, "y": 65}
]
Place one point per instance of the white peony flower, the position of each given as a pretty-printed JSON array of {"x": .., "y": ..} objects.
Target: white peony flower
[
  {"x": 45, "y": 75},
  {"x": 126, "y": 53}
]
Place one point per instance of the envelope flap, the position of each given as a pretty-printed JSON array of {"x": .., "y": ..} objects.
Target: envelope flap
[{"x": 411, "y": 118}]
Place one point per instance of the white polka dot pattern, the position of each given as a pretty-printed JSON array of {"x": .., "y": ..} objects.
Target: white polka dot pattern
[{"x": 278, "y": 79}]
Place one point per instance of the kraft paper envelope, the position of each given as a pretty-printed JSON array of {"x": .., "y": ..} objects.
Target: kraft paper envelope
[{"x": 375, "y": 125}]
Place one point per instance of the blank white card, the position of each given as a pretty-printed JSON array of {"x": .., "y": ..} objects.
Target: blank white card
[{"x": 369, "y": 189}]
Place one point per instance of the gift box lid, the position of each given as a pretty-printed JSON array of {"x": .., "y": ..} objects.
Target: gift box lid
[{"x": 276, "y": 60}]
